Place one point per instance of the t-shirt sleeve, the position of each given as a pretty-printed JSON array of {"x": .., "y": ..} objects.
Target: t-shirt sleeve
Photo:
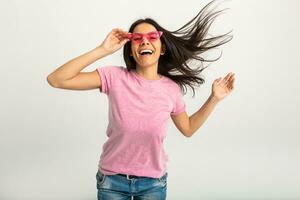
[
  {"x": 108, "y": 75},
  {"x": 179, "y": 104}
]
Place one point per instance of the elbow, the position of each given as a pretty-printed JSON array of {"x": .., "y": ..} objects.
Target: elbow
[
  {"x": 51, "y": 81},
  {"x": 188, "y": 134}
]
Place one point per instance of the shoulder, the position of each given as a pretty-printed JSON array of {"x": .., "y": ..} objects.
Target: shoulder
[
  {"x": 172, "y": 86},
  {"x": 112, "y": 69}
]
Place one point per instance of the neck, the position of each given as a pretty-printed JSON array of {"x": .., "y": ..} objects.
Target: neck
[{"x": 149, "y": 73}]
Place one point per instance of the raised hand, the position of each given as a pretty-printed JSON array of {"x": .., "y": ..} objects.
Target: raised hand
[
  {"x": 223, "y": 86},
  {"x": 114, "y": 40}
]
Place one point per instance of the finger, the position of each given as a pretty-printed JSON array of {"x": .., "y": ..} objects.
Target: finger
[
  {"x": 121, "y": 35},
  {"x": 117, "y": 31},
  {"x": 113, "y": 33},
  {"x": 124, "y": 41},
  {"x": 231, "y": 87},
  {"x": 228, "y": 77},
  {"x": 229, "y": 83},
  {"x": 121, "y": 32},
  {"x": 232, "y": 84},
  {"x": 217, "y": 80},
  {"x": 124, "y": 35},
  {"x": 114, "y": 30},
  {"x": 122, "y": 38}
]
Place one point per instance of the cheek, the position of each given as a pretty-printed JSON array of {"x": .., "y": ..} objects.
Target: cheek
[
  {"x": 133, "y": 48},
  {"x": 157, "y": 45},
  {"x": 158, "y": 49}
]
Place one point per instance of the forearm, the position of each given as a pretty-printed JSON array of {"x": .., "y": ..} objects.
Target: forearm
[
  {"x": 199, "y": 117},
  {"x": 73, "y": 67}
]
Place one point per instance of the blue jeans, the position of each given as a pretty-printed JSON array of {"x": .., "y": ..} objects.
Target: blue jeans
[{"x": 117, "y": 187}]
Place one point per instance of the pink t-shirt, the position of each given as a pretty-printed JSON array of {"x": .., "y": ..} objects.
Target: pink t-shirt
[{"x": 139, "y": 110}]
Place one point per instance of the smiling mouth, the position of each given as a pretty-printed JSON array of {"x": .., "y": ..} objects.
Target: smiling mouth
[
  {"x": 146, "y": 55},
  {"x": 146, "y": 52}
]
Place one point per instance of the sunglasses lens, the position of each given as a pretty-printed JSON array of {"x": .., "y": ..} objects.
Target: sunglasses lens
[
  {"x": 137, "y": 37},
  {"x": 153, "y": 36}
]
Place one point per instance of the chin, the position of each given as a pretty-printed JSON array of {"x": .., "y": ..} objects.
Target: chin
[
  {"x": 144, "y": 65},
  {"x": 147, "y": 64}
]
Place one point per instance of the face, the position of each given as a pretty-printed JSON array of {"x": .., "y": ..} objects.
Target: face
[{"x": 146, "y": 37}]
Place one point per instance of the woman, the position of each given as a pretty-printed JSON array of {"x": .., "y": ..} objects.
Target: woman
[{"x": 142, "y": 97}]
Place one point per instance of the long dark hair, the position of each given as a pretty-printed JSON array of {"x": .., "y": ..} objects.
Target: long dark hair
[{"x": 182, "y": 46}]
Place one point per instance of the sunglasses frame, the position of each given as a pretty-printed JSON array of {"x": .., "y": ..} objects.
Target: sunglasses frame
[{"x": 147, "y": 35}]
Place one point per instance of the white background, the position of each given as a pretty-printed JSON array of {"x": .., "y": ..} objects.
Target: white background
[{"x": 51, "y": 139}]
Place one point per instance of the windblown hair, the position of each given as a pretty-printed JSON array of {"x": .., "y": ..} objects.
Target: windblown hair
[{"x": 183, "y": 46}]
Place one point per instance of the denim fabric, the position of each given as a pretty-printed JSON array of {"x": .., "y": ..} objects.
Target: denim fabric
[{"x": 116, "y": 187}]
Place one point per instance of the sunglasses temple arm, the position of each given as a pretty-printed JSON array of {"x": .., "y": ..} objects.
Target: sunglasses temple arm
[{"x": 129, "y": 35}]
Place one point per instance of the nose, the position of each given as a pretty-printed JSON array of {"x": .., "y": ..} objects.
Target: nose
[{"x": 144, "y": 41}]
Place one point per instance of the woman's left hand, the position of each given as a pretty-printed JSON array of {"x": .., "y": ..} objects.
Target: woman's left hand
[{"x": 222, "y": 86}]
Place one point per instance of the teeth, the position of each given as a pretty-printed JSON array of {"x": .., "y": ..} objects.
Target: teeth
[{"x": 146, "y": 50}]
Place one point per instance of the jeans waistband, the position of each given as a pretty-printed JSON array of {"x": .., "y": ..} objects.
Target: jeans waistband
[{"x": 132, "y": 176}]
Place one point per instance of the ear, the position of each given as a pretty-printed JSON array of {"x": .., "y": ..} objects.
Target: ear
[{"x": 163, "y": 49}]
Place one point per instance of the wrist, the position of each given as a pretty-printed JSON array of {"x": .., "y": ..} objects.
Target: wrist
[
  {"x": 214, "y": 99},
  {"x": 101, "y": 51}
]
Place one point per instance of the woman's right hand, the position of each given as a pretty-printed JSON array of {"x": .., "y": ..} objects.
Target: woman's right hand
[{"x": 114, "y": 40}]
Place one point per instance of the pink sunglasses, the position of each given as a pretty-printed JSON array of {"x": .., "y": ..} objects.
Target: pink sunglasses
[{"x": 138, "y": 37}]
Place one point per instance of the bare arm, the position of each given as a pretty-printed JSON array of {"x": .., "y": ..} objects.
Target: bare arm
[
  {"x": 69, "y": 75},
  {"x": 199, "y": 117},
  {"x": 189, "y": 125},
  {"x": 73, "y": 67},
  {"x": 221, "y": 88}
]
